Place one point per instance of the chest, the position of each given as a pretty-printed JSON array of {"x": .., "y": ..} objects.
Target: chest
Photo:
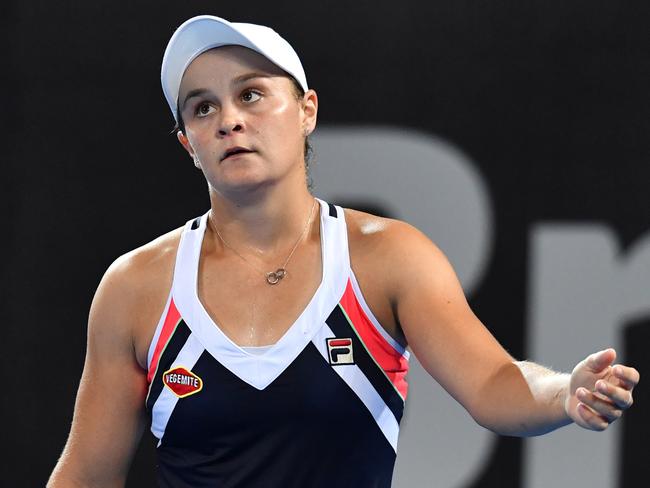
[
  {"x": 245, "y": 306},
  {"x": 204, "y": 387},
  {"x": 307, "y": 395}
]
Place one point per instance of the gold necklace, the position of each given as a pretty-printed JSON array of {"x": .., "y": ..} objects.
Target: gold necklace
[{"x": 272, "y": 277}]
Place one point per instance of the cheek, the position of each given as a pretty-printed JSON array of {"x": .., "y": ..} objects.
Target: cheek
[
  {"x": 198, "y": 140},
  {"x": 284, "y": 123}
]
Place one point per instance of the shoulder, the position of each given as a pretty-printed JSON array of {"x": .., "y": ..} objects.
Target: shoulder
[
  {"x": 132, "y": 294},
  {"x": 136, "y": 270},
  {"x": 391, "y": 260},
  {"x": 387, "y": 238},
  {"x": 397, "y": 255}
]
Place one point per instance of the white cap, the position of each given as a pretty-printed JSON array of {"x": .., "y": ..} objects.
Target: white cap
[{"x": 204, "y": 32}]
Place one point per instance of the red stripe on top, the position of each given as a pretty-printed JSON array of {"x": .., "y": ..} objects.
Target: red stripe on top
[
  {"x": 171, "y": 320},
  {"x": 394, "y": 364},
  {"x": 340, "y": 342}
]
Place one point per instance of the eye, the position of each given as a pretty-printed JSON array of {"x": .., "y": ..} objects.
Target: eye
[
  {"x": 250, "y": 96},
  {"x": 203, "y": 109}
]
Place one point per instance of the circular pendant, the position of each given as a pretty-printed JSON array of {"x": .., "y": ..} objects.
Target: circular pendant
[{"x": 274, "y": 277}]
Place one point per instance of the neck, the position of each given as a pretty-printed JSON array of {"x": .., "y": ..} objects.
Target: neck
[{"x": 265, "y": 221}]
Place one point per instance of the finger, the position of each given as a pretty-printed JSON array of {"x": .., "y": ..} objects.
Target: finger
[
  {"x": 628, "y": 377},
  {"x": 600, "y": 405},
  {"x": 591, "y": 420},
  {"x": 620, "y": 397},
  {"x": 598, "y": 361}
]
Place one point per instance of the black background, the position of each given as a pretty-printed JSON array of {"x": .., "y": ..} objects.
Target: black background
[{"x": 549, "y": 98}]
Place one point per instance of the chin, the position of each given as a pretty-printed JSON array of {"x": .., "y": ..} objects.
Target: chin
[{"x": 241, "y": 185}]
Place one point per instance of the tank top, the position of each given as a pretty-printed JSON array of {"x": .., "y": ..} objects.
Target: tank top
[{"x": 319, "y": 408}]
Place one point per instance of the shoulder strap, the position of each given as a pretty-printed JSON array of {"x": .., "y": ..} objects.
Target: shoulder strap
[
  {"x": 336, "y": 258},
  {"x": 182, "y": 268}
]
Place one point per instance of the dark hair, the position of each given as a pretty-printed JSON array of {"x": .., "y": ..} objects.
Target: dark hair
[{"x": 299, "y": 93}]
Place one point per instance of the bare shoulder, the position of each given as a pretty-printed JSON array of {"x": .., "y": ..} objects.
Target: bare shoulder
[
  {"x": 145, "y": 263},
  {"x": 388, "y": 257},
  {"x": 388, "y": 242},
  {"x": 134, "y": 290}
]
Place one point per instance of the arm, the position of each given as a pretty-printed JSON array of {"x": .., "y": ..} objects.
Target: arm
[
  {"x": 504, "y": 395},
  {"x": 109, "y": 411}
]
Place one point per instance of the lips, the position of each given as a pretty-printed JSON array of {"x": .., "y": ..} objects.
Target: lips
[{"x": 233, "y": 151}]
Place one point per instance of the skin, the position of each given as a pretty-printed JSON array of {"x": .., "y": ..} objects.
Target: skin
[{"x": 263, "y": 205}]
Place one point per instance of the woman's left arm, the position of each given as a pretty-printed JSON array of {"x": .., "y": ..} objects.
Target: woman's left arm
[{"x": 506, "y": 396}]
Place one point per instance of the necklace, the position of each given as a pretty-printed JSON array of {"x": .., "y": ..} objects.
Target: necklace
[{"x": 272, "y": 277}]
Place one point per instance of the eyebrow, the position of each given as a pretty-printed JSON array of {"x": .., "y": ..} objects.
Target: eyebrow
[
  {"x": 237, "y": 81},
  {"x": 193, "y": 93}
]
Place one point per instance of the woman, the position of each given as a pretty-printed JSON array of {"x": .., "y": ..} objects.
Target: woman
[{"x": 265, "y": 341}]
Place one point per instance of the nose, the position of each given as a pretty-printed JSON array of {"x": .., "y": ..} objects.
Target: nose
[
  {"x": 229, "y": 128},
  {"x": 231, "y": 121}
]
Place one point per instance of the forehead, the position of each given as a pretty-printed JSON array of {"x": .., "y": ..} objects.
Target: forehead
[{"x": 225, "y": 63}]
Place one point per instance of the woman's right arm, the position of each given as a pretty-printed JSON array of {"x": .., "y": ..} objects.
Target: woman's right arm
[{"x": 109, "y": 412}]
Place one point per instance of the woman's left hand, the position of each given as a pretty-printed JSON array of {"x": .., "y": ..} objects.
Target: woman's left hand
[{"x": 600, "y": 391}]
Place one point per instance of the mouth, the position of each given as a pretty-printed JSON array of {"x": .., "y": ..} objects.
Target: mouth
[{"x": 234, "y": 151}]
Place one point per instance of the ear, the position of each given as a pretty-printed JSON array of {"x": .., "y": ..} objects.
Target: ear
[
  {"x": 182, "y": 138},
  {"x": 310, "y": 111}
]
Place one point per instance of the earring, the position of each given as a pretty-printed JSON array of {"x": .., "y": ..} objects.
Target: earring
[{"x": 196, "y": 162}]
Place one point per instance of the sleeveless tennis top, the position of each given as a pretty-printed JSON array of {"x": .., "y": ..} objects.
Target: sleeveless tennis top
[{"x": 319, "y": 408}]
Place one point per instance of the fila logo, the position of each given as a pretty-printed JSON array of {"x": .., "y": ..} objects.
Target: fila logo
[
  {"x": 340, "y": 351},
  {"x": 182, "y": 382}
]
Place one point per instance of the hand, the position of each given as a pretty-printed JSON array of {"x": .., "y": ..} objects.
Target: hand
[{"x": 599, "y": 391}]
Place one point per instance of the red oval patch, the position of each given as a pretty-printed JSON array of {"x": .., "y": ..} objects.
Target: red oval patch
[{"x": 182, "y": 382}]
